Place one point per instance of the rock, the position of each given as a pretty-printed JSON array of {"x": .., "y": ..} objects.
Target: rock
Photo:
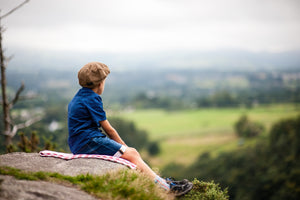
[
  {"x": 11, "y": 188},
  {"x": 14, "y": 189},
  {"x": 34, "y": 162}
]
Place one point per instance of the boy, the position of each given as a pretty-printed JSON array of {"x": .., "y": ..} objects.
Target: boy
[{"x": 85, "y": 118}]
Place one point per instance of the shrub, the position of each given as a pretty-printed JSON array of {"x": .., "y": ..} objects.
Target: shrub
[
  {"x": 153, "y": 148},
  {"x": 131, "y": 135},
  {"x": 246, "y": 128},
  {"x": 206, "y": 191}
]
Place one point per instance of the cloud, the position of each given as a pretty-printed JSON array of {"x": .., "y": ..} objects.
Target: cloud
[{"x": 153, "y": 25}]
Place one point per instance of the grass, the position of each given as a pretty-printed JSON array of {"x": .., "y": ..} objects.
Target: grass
[
  {"x": 186, "y": 134},
  {"x": 121, "y": 184}
]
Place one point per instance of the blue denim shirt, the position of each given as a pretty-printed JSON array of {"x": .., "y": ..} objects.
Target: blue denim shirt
[{"x": 85, "y": 111}]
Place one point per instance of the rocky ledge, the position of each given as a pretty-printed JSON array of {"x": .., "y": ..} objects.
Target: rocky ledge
[{"x": 10, "y": 188}]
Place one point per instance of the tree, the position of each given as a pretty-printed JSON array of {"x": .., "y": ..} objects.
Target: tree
[
  {"x": 285, "y": 139},
  {"x": 10, "y": 128},
  {"x": 246, "y": 128},
  {"x": 131, "y": 135},
  {"x": 153, "y": 148}
]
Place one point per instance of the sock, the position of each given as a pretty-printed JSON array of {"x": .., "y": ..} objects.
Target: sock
[{"x": 162, "y": 183}]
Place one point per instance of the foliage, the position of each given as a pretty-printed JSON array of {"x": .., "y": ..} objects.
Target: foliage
[
  {"x": 27, "y": 145},
  {"x": 284, "y": 153},
  {"x": 270, "y": 170},
  {"x": 10, "y": 148},
  {"x": 206, "y": 191},
  {"x": 52, "y": 140},
  {"x": 153, "y": 148},
  {"x": 124, "y": 185},
  {"x": 129, "y": 133},
  {"x": 142, "y": 100},
  {"x": 50, "y": 145},
  {"x": 285, "y": 139},
  {"x": 246, "y": 128},
  {"x": 30, "y": 145},
  {"x": 219, "y": 99}
]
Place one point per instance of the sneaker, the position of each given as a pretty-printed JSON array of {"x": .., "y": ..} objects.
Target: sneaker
[
  {"x": 171, "y": 180},
  {"x": 179, "y": 188}
]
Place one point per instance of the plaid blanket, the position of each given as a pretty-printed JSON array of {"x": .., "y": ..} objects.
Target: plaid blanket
[{"x": 69, "y": 156}]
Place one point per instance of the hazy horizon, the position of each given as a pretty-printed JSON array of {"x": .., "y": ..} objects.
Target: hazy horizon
[
  {"x": 219, "y": 60},
  {"x": 152, "y": 33}
]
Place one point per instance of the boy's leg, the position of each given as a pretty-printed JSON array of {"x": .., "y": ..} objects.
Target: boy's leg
[
  {"x": 133, "y": 156},
  {"x": 107, "y": 146}
]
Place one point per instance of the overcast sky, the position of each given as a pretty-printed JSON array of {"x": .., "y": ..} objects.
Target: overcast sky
[{"x": 131, "y": 26}]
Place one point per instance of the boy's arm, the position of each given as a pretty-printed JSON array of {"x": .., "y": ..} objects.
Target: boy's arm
[{"x": 111, "y": 132}]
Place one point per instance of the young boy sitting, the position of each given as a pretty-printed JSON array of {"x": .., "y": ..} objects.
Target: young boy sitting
[{"x": 85, "y": 118}]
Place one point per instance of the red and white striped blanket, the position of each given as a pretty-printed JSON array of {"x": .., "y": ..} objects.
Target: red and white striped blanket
[{"x": 69, "y": 156}]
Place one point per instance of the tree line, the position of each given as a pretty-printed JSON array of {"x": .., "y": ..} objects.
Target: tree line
[{"x": 269, "y": 170}]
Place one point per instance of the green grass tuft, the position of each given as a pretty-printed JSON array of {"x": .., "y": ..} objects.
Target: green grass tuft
[
  {"x": 18, "y": 174},
  {"x": 124, "y": 184},
  {"x": 206, "y": 191}
]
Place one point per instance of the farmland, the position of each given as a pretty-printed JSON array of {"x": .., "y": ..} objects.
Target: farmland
[{"x": 186, "y": 134}]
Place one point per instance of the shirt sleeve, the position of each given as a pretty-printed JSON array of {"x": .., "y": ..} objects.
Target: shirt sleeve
[{"x": 95, "y": 108}]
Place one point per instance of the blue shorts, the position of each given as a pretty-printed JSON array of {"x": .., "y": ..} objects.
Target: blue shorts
[{"x": 101, "y": 145}]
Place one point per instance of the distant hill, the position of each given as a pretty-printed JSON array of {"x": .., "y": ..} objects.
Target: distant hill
[{"x": 27, "y": 59}]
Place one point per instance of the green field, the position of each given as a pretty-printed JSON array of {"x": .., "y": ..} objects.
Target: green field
[{"x": 184, "y": 135}]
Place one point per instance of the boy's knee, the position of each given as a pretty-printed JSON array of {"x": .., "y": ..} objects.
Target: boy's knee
[
  {"x": 131, "y": 154},
  {"x": 133, "y": 151}
]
